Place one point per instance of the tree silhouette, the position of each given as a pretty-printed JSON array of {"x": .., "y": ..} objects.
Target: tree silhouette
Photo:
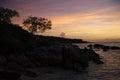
[
  {"x": 6, "y": 14},
  {"x": 35, "y": 24}
]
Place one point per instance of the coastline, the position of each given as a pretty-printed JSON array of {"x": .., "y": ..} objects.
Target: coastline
[
  {"x": 55, "y": 73},
  {"x": 63, "y": 59}
]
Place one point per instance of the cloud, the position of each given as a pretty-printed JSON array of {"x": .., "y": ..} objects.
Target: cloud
[
  {"x": 74, "y": 17},
  {"x": 101, "y": 16},
  {"x": 63, "y": 34},
  {"x": 63, "y": 12}
]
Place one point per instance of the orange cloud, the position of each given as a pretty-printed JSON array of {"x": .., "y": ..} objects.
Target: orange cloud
[
  {"x": 84, "y": 21},
  {"x": 96, "y": 16}
]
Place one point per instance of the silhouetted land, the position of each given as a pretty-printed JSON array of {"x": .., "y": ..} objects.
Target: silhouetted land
[
  {"x": 21, "y": 50},
  {"x": 106, "y": 48},
  {"x": 14, "y": 37}
]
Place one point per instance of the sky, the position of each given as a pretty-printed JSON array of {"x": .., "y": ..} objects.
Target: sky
[{"x": 81, "y": 19}]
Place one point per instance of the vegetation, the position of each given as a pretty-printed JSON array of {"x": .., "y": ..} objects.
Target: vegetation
[
  {"x": 15, "y": 39},
  {"x": 6, "y": 14},
  {"x": 35, "y": 24},
  {"x": 20, "y": 49}
]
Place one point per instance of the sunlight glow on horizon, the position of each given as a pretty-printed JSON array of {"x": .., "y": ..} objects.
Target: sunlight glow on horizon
[{"x": 84, "y": 19}]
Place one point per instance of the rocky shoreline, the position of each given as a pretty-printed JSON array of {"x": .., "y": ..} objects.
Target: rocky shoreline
[
  {"x": 65, "y": 56},
  {"x": 22, "y": 51},
  {"x": 104, "y": 47}
]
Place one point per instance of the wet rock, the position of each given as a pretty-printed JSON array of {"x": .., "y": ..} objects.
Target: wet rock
[
  {"x": 93, "y": 56},
  {"x": 98, "y": 46},
  {"x": 115, "y": 48},
  {"x": 106, "y": 48}
]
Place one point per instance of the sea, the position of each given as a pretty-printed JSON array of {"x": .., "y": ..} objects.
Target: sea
[{"x": 110, "y": 70}]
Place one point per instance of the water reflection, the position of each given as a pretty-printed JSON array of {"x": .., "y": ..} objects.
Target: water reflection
[{"x": 110, "y": 70}]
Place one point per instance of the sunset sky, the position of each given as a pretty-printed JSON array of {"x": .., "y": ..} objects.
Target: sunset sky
[{"x": 84, "y": 19}]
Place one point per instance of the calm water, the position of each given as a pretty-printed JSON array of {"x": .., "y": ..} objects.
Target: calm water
[{"x": 110, "y": 70}]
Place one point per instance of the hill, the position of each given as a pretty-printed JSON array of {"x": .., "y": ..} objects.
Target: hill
[
  {"x": 50, "y": 40},
  {"x": 14, "y": 38}
]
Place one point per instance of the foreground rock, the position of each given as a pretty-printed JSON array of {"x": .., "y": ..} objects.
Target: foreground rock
[
  {"x": 65, "y": 56},
  {"x": 68, "y": 56},
  {"x": 5, "y": 75}
]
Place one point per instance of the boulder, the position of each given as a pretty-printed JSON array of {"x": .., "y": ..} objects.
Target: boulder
[
  {"x": 3, "y": 59},
  {"x": 5, "y": 75},
  {"x": 93, "y": 56},
  {"x": 66, "y": 56}
]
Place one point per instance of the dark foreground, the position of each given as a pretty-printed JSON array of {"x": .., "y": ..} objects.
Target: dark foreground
[
  {"x": 66, "y": 57},
  {"x": 22, "y": 52}
]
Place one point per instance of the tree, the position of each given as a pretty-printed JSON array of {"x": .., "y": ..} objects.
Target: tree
[
  {"x": 35, "y": 24},
  {"x": 6, "y": 14}
]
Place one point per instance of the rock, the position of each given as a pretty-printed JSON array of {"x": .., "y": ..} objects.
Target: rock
[
  {"x": 115, "y": 48},
  {"x": 3, "y": 59},
  {"x": 106, "y": 48},
  {"x": 29, "y": 73},
  {"x": 77, "y": 56},
  {"x": 19, "y": 60},
  {"x": 97, "y": 61},
  {"x": 93, "y": 56},
  {"x": 67, "y": 56},
  {"x": 5, "y": 75},
  {"x": 98, "y": 46}
]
